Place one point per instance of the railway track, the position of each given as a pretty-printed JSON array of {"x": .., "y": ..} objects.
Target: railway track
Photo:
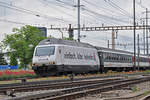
[
  {"x": 68, "y": 80},
  {"x": 55, "y": 84},
  {"x": 146, "y": 98},
  {"x": 81, "y": 91},
  {"x": 60, "y": 85}
]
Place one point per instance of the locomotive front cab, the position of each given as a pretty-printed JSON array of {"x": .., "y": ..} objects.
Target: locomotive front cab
[
  {"x": 44, "y": 60},
  {"x": 44, "y": 55}
]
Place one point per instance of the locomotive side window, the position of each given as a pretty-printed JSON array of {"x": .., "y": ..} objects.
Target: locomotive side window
[
  {"x": 104, "y": 56},
  {"x": 43, "y": 51}
]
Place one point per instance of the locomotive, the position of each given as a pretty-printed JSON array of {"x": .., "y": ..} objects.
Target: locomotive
[{"x": 56, "y": 56}]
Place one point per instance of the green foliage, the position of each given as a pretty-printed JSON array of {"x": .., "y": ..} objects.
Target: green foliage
[
  {"x": 10, "y": 77},
  {"x": 21, "y": 65},
  {"x": 146, "y": 93},
  {"x": 147, "y": 71},
  {"x": 20, "y": 42},
  {"x": 2, "y": 59},
  {"x": 13, "y": 59},
  {"x": 134, "y": 89}
]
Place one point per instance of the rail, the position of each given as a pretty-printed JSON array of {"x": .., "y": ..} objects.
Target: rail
[{"x": 76, "y": 92}]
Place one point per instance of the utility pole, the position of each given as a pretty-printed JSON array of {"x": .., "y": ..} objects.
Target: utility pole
[
  {"x": 78, "y": 20},
  {"x": 134, "y": 66},
  {"x": 146, "y": 28},
  {"x": 62, "y": 36},
  {"x": 144, "y": 36},
  {"x": 113, "y": 39},
  {"x": 138, "y": 50},
  {"x": 147, "y": 31},
  {"x": 108, "y": 44},
  {"x": 70, "y": 31}
]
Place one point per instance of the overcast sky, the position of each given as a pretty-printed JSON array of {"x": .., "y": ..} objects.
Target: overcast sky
[{"x": 60, "y": 13}]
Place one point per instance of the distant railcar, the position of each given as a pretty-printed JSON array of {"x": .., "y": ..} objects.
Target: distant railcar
[{"x": 119, "y": 60}]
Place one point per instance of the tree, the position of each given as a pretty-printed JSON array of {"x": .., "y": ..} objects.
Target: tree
[
  {"x": 19, "y": 43},
  {"x": 2, "y": 59},
  {"x": 13, "y": 59}
]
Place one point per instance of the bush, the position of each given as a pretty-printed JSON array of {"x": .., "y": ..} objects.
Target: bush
[
  {"x": 134, "y": 89},
  {"x": 13, "y": 74}
]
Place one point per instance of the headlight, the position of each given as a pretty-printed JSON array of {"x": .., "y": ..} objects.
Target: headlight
[
  {"x": 52, "y": 62},
  {"x": 34, "y": 64}
]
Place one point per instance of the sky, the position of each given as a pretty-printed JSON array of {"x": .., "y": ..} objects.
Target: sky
[{"x": 60, "y": 13}]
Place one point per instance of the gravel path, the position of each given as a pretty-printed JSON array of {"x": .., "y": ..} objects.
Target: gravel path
[{"x": 126, "y": 92}]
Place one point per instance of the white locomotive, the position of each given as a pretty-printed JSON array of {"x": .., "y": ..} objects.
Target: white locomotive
[{"x": 55, "y": 56}]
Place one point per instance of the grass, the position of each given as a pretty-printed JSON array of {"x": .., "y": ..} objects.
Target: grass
[
  {"x": 8, "y": 76},
  {"x": 134, "y": 89}
]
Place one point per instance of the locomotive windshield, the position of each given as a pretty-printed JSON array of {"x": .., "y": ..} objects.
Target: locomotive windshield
[{"x": 43, "y": 51}]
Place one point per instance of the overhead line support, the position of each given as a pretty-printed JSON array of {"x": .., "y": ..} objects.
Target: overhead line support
[
  {"x": 134, "y": 35},
  {"x": 106, "y": 28}
]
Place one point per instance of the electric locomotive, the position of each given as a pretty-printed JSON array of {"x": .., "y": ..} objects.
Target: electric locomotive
[{"x": 55, "y": 56}]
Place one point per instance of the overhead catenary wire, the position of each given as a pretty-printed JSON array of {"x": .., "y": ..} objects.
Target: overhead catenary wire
[
  {"x": 56, "y": 4},
  {"x": 102, "y": 15},
  {"x": 20, "y": 23},
  {"x": 118, "y": 8},
  {"x": 111, "y": 3},
  {"x": 140, "y": 4},
  {"x": 104, "y": 9},
  {"x": 94, "y": 14},
  {"x": 63, "y": 3},
  {"x": 23, "y": 10},
  {"x": 102, "y": 19},
  {"x": 14, "y": 22},
  {"x": 71, "y": 5},
  {"x": 105, "y": 16}
]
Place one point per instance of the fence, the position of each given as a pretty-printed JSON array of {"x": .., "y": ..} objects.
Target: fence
[{"x": 6, "y": 67}]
